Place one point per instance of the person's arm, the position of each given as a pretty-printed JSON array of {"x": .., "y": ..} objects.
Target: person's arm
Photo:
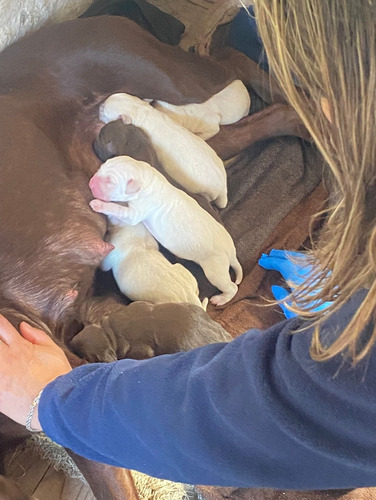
[{"x": 255, "y": 412}]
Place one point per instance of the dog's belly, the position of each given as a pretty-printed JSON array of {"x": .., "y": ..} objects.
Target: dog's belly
[{"x": 51, "y": 239}]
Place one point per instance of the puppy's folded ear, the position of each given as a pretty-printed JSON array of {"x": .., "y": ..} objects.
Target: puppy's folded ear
[
  {"x": 133, "y": 187},
  {"x": 127, "y": 120}
]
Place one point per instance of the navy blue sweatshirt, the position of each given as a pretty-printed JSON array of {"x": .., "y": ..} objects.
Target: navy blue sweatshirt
[{"x": 257, "y": 412}]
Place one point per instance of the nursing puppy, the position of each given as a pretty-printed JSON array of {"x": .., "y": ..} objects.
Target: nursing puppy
[
  {"x": 143, "y": 330},
  {"x": 143, "y": 273},
  {"x": 185, "y": 157},
  {"x": 117, "y": 138},
  {"x": 226, "y": 107},
  {"x": 162, "y": 208},
  {"x": 140, "y": 270}
]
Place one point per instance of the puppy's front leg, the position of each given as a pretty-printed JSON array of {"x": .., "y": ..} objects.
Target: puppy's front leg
[{"x": 118, "y": 214}]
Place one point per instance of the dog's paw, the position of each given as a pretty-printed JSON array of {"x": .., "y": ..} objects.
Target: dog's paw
[
  {"x": 221, "y": 299},
  {"x": 97, "y": 205}
]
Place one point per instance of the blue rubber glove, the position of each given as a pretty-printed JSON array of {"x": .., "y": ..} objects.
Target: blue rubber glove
[{"x": 295, "y": 272}]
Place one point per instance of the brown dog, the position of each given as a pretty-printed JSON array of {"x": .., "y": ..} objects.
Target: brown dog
[
  {"x": 51, "y": 84},
  {"x": 143, "y": 330},
  {"x": 117, "y": 139}
]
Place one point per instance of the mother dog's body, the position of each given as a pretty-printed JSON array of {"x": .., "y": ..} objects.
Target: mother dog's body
[{"x": 54, "y": 81}]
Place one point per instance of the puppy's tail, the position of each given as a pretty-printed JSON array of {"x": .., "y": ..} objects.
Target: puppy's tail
[{"x": 235, "y": 264}]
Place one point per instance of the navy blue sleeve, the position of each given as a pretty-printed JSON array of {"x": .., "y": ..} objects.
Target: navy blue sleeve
[{"x": 257, "y": 412}]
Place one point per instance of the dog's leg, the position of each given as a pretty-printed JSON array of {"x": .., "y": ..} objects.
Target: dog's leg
[
  {"x": 117, "y": 213},
  {"x": 274, "y": 121},
  {"x": 216, "y": 270}
]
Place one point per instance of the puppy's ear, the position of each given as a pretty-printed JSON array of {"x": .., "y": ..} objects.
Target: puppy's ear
[
  {"x": 127, "y": 120},
  {"x": 133, "y": 187}
]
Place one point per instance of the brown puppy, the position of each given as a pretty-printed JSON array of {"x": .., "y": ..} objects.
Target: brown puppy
[
  {"x": 117, "y": 139},
  {"x": 143, "y": 330}
]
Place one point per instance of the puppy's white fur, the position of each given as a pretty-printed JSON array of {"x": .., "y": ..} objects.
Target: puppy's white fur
[
  {"x": 143, "y": 273},
  {"x": 173, "y": 218},
  {"x": 184, "y": 156},
  {"x": 227, "y": 106}
]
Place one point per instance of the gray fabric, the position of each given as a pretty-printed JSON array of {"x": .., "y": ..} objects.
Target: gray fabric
[{"x": 264, "y": 185}]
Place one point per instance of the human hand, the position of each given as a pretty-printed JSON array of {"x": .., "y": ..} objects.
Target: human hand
[
  {"x": 295, "y": 268},
  {"x": 28, "y": 362}
]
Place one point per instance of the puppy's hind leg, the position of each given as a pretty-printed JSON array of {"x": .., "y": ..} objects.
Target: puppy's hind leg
[
  {"x": 217, "y": 271},
  {"x": 221, "y": 200}
]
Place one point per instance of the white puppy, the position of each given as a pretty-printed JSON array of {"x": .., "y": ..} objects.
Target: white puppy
[
  {"x": 143, "y": 273},
  {"x": 227, "y": 106},
  {"x": 175, "y": 219},
  {"x": 184, "y": 156}
]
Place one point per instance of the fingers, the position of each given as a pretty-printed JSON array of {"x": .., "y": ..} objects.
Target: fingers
[
  {"x": 275, "y": 263},
  {"x": 284, "y": 254},
  {"x": 296, "y": 270},
  {"x": 34, "y": 335},
  {"x": 281, "y": 295},
  {"x": 8, "y": 333}
]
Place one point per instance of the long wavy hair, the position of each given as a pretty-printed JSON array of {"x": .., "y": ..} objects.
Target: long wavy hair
[{"x": 328, "y": 48}]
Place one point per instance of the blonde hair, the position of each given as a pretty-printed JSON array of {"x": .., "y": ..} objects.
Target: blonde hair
[{"x": 328, "y": 47}]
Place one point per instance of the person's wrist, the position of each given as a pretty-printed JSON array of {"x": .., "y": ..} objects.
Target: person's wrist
[
  {"x": 35, "y": 424},
  {"x": 32, "y": 420}
]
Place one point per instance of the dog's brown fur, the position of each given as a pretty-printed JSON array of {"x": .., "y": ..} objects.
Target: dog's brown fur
[{"x": 144, "y": 330}]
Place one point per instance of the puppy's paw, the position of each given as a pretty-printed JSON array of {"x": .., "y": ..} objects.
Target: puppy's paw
[
  {"x": 218, "y": 300},
  {"x": 97, "y": 205},
  {"x": 221, "y": 299}
]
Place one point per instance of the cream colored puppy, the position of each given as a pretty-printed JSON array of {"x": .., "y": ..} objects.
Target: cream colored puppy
[
  {"x": 173, "y": 218},
  {"x": 227, "y": 106},
  {"x": 143, "y": 273},
  {"x": 185, "y": 157}
]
